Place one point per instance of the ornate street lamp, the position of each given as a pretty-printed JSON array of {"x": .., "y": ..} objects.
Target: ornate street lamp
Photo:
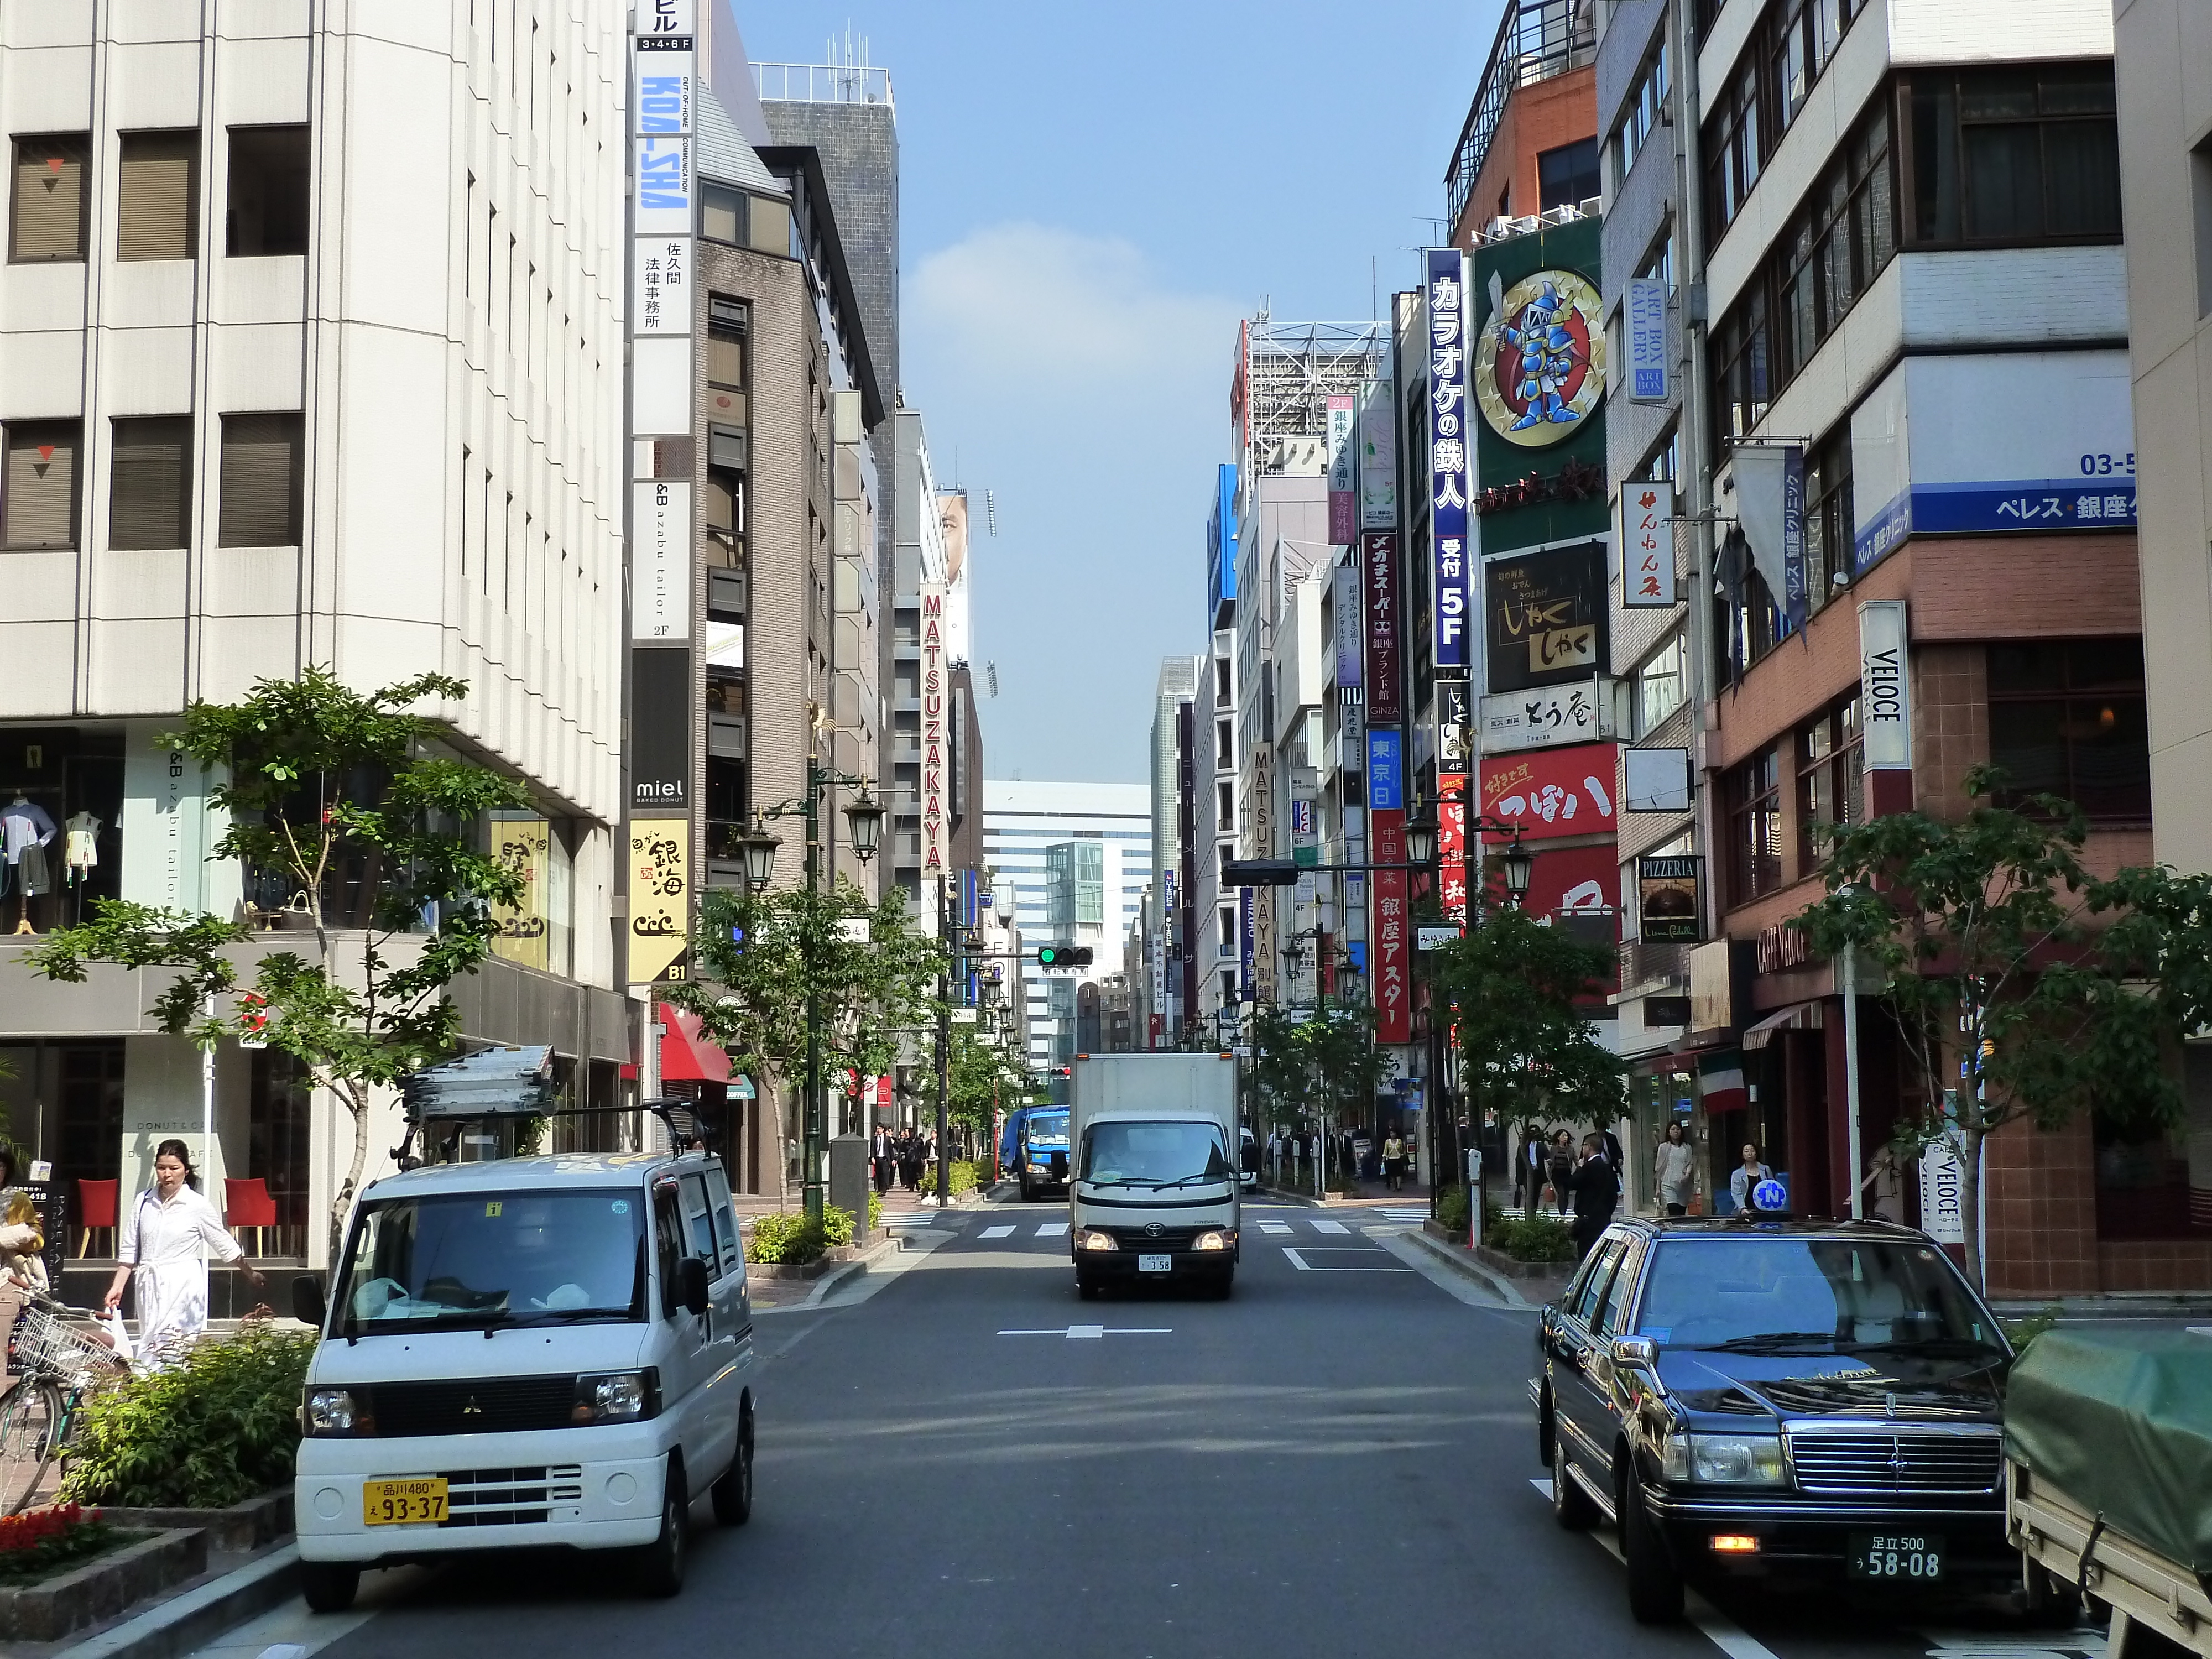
[
  {"x": 757, "y": 848},
  {"x": 1520, "y": 865},
  {"x": 1421, "y": 835},
  {"x": 865, "y": 816}
]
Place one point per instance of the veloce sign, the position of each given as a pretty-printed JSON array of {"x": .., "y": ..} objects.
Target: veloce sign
[{"x": 1885, "y": 686}]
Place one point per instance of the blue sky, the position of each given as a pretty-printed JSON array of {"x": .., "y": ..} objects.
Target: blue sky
[{"x": 1090, "y": 198}]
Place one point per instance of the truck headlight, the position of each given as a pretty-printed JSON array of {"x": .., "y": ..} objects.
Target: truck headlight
[
  {"x": 1725, "y": 1460},
  {"x": 1090, "y": 1238},
  {"x": 1220, "y": 1238},
  {"x": 616, "y": 1397},
  {"x": 329, "y": 1411}
]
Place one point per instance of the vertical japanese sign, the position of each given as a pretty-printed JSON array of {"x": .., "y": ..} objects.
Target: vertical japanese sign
[
  {"x": 660, "y": 282},
  {"x": 661, "y": 106},
  {"x": 1646, "y": 320},
  {"x": 933, "y": 739},
  {"x": 1451, "y": 843},
  {"x": 661, "y": 562},
  {"x": 1346, "y": 612},
  {"x": 523, "y": 844},
  {"x": 1343, "y": 470},
  {"x": 1794, "y": 604},
  {"x": 1885, "y": 686},
  {"x": 1385, "y": 760},
  {"x": 1449, "y": 453},
  {"x": 1392, "y": 947},
  {"x": 1378, "y": 459},
  {"x": 1378, "y": 580},
  {"x": 1646, "y": 539},
  {"x": 659, "y": 898},
  {"x": 1247, "y": 947}
]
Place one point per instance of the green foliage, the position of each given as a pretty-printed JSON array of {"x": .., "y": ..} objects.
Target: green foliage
[
  {"x": 984, "y": 1079},
  {"x": 836, "y": 1224},
  {"x": 753, "y": 996},
  {"x": 315, "y": 775},
  {"x": 1511, "y": 985},
  {"x": 1540, "y": 1238},
  {"x": 1310, "y": 1057},
  {"x": 218, "y": 1428},
  {"x": 1452, "y": 1211},
  {"x": 2025, "y": 1331},
  {"x": 966, "y": 1177},
  {"x": 2040, "y": 990},
  {"x": 875, "y": 1211},
  {"x": 787, "y": 1236}
]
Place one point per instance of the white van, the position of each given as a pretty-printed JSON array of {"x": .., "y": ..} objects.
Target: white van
[{"x": 523, "y": 1353}]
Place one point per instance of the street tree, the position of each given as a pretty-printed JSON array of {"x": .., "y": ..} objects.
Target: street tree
[
  {"x": 2024, "y": 988},
  {"x": 982, "y": 1080},
  {"x": 1324, "y": 1058},
  {"x": 864, "y": 967},
  {"x": 1511, "y": 986},
  {"x": 327, "y": 788}
]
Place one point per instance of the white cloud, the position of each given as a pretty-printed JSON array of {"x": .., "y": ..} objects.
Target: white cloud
[{"x": 1022, "y": 298}]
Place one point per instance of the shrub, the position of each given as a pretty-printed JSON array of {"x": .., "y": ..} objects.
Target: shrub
[
  {"x": 219, "y": 1427},
  {"x": 787, "y": 1237},
  {"x": 836, "y": 1224},
  {"x": 1543, "y": 1239},
  {"x": 2026, "y": 1330},
  {"x": 966, "y": 1177},
  {"x": 1451, "y": 1209},
  {"x": 875, "y": 1211}
]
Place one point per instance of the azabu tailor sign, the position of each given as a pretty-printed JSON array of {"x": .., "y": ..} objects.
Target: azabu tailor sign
[{"x": 1451, "y": 458}]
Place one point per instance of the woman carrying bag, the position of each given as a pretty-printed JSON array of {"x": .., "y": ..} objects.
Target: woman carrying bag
[{"x": 162, "y": 1238}]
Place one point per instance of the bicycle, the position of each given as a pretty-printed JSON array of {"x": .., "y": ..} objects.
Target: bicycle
[{"x": 58, "y": 1363}]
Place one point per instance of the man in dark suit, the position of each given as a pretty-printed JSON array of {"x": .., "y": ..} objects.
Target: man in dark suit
[{"x": 1597, "y": 1187}]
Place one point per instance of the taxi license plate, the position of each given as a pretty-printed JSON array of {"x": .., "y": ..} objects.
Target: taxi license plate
[
  {"x": 1155, "y": 1264},
  {"x": 1899, "y": 1558},
  {"x": 402, "y": 1502}
]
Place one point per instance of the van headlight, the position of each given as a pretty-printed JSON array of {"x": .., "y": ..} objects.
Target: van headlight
[
  {"x": 1218, "y": 1238},
  {"x": 616, "y": 1397},
  {"x": 329, "y": 1411},
  {"x": 1092, "y": 1238},
  {"x": 1725, "y": 1460}
]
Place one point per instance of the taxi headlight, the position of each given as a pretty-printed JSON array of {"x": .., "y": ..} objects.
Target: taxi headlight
[{"x": 1725, "y": 1460}]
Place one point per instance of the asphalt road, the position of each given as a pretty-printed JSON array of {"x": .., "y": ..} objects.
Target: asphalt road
[{"x": 960, "y": 1457}]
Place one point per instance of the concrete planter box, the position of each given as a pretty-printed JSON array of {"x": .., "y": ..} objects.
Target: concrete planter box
[
  {"x": 828, "y": 1262},
  {"x": 240, "y": 1529},
  {"x": 103, "y": 1587},
  {"x": 1546, "y": 1276}
]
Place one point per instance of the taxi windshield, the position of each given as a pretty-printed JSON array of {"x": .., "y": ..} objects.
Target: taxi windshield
[
  {"x": 1840, "y": 1295},
  {"x": 463, "y": 1260}
]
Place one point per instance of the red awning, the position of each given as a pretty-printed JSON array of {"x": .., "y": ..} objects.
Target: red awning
[{"x": 686, "y": 1055}]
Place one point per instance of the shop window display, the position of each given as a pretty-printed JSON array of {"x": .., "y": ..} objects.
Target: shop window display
[{"x": 61, "y": 841}]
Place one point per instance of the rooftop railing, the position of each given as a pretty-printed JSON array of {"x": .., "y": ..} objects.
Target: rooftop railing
[
  {"x": 822, "y": 84},
  {"x": 1537, "y": 40}
]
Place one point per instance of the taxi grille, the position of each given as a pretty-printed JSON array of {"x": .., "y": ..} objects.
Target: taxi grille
[{"x": 1903, "y": 1462}]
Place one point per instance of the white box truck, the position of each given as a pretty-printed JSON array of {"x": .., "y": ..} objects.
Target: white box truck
[{"x": 1153, "y": 1197}]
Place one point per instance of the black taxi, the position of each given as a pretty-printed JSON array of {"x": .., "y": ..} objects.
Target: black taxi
[{"x": 1744, "y": 1395}]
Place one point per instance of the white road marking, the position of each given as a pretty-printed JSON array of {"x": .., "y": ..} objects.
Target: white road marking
[
  {"x": 1052, "y": 1230},
  {"x": 1299, "y": 1260},
  {"x": 1006, "y": 1231},
  {"x": 1328, "y": 1227},
  {"x": 908, "y": 1217},
  {"x": 1296, "y": 1260},
  {"x": 1094, "y": 1333},
  {"x": 1274, "y": 1226}
]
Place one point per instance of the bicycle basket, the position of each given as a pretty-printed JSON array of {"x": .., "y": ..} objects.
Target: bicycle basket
[{"x": 44, "y": 1343}]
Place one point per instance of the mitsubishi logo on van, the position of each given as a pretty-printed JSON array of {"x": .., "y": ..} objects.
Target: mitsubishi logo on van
[{"x": 472, "y": 1409}]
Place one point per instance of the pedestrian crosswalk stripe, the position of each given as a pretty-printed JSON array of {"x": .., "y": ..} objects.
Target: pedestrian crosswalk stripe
[
  {"x": 908, "y": 1217},
  {"x": 1274, "y": 1226},
  {"x": 1052, "y": 1230},
  {"x": 1005, "y": 1231},
  {"x": 1330, "y": 1227},
  {"x": 1404, "y": 1215}
]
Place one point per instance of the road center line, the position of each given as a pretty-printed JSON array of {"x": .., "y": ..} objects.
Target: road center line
[{"x": 1094, "y": 1333}]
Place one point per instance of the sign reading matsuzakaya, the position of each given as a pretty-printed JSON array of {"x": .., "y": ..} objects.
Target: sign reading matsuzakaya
[{"x": 933, "y": 739}]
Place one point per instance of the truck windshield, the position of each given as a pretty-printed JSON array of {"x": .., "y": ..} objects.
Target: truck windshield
[
  {"x": 1821, "y": 1295},
  {"x": 1047, "y": 1130},
  {"x": 1153, "y": 1154},
  {"x": 465, "y": 1260}
]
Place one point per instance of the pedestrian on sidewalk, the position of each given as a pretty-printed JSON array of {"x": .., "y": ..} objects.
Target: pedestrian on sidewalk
[
  {"x": 1560, "y": 1169},
  {"x": 1393, "y": 1161},
  {"x": 1597, "y": 1190},
  {"x": 160, "y": 1246},
  {"x": 879, "y": 1159},
  {"x": 1675, "y": 1170},
  {"x": 1745, "y": 1177}
]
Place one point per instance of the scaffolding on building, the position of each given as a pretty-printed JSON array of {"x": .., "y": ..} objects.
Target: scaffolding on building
[{"x": 1285, "y": 373}]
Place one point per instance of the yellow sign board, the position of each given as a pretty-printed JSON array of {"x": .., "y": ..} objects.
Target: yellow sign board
[
  {"x": 524, "y": 845},
  {"x": 659, "y": 898}
]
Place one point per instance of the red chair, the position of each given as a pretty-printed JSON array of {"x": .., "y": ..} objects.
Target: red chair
[
  {"x": 248, "y": 1204},
  {"x": 95, "y": 1203}
]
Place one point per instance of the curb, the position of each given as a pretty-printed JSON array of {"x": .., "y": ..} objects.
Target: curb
[
  {"x": 1283, "y": 1195},
  {"x": 184, "y": 1623},
  {"x": 1464, "y": 1265},
  {"x": 857, "y": 1268}
]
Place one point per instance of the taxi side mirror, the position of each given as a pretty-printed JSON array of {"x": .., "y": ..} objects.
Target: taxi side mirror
[{"x": 1639, "y": 1351}]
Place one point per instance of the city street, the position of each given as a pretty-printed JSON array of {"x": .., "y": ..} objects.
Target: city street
[{"x": 958, "y": 1456}]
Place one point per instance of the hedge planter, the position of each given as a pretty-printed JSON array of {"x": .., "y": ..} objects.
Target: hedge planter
[
  {"x": 828, "y": 1262},
  {"x": 237, "y": 1530},
  {"x": 103, "y": 1587}
]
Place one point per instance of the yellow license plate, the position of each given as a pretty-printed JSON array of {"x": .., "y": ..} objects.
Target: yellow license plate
[{"x": 402, "y": 1502}]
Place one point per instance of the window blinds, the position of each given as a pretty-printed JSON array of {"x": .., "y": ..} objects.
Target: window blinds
[
  {"x": 158, "y": 216},
  {"x": 150, "y": 488},
  {"x": 38, "y": 491},
  {"x": 49, "y": 202},
  {"x": 261, "y": 461}
]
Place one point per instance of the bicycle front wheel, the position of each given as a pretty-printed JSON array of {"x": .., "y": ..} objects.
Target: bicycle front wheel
[{"x": 30, "y": 1432}]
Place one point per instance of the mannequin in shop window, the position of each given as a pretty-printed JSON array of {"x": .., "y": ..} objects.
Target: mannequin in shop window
[
  {"x": 80, "y": 854},
  {"x": 25, "y": 829}
]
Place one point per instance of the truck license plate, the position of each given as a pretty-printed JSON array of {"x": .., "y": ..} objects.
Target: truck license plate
[
  {"x": 1903, "y": 1557},
  {"x": 1155, "y": 1264},
  {"x": 402, "y": 1502}
]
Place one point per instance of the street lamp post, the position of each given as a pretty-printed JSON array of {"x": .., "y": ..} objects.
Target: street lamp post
[{"x": 757, "y": 847}]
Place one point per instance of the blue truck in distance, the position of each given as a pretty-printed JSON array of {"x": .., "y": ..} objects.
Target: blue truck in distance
[{"x": 1041, "y": 1151}]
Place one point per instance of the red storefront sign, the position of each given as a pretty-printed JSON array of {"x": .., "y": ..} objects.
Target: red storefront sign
[
  {"x": 1575, "y": 878},
  {"x": 1390, "y": 932},
  {"x": 1552, "y": 792},
  {"x": 1378, "y": 582}
]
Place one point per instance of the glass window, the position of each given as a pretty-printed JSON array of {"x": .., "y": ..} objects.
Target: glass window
[
  {"x": 699, "y": 1219},
  {"x": 2014, "y": 155},
  {"x": 1830, "y": 780},
  {"x": 1583, "y": 1297},
  {"x": 151, "y": 482},
  {"x": 668, "y": 1248},
  {"x": 1830, "y": 527},
  {"x": 158, "y": 196},
  {"x": 260, "y": 486},
  {"x": 50, "y": 220},
  {"x": 1754, "y": 833},
  {"x": 39, "y": 490},
  {"x": 726, "y": 1220},
  {"x": 1154, "y": 1155},
  {"x": 722, "y": 214},
  {"x": 2068, "y": 718},
  {"x": 725, "y": 343},
  {"x": 1617, "y": 1295},
  {"x": 1568, "y": 174},
  {"x": 1659, "y": 685},
  {"x": 267, "y": 211}
]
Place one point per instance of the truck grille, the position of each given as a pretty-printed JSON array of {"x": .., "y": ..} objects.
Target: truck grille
[
  {"x": 510, "y": 1497},
  {"x": 1905, "y": 1463},
  {"x": 492, "y": 1405},
  {"x": 1168, "y": 1238}
]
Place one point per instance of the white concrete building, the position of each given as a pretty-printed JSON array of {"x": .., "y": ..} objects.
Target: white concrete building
[{"x": 311, "y": 353}]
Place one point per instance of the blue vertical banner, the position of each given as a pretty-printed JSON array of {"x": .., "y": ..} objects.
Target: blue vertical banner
[
  {"x": 1248, "y": 945},
  {"x": 1386, "y": 790},
  {"x": 1795, "y": 606},
  {"x": 1450, "y": 455}
]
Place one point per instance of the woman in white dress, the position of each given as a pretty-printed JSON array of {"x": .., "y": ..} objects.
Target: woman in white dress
[{"x": 162, "y": 1240}]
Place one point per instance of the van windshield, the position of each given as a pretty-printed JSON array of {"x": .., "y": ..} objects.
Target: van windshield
[
  {"x": 1153, "y": 1154},
  {"x": 467, "y": 1261}
]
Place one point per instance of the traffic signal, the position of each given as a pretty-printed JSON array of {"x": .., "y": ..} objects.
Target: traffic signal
[{"x": 1063, "y": 956}]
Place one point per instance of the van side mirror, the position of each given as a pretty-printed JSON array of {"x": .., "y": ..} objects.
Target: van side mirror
[
  {"x": 307, "y": 1304},
  {"x": 1059, "y": 1166},
  {"x": 691, "y": 1285}
]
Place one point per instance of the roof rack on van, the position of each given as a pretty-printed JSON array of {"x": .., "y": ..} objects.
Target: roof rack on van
[{"x": 490, "y": 1083}]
